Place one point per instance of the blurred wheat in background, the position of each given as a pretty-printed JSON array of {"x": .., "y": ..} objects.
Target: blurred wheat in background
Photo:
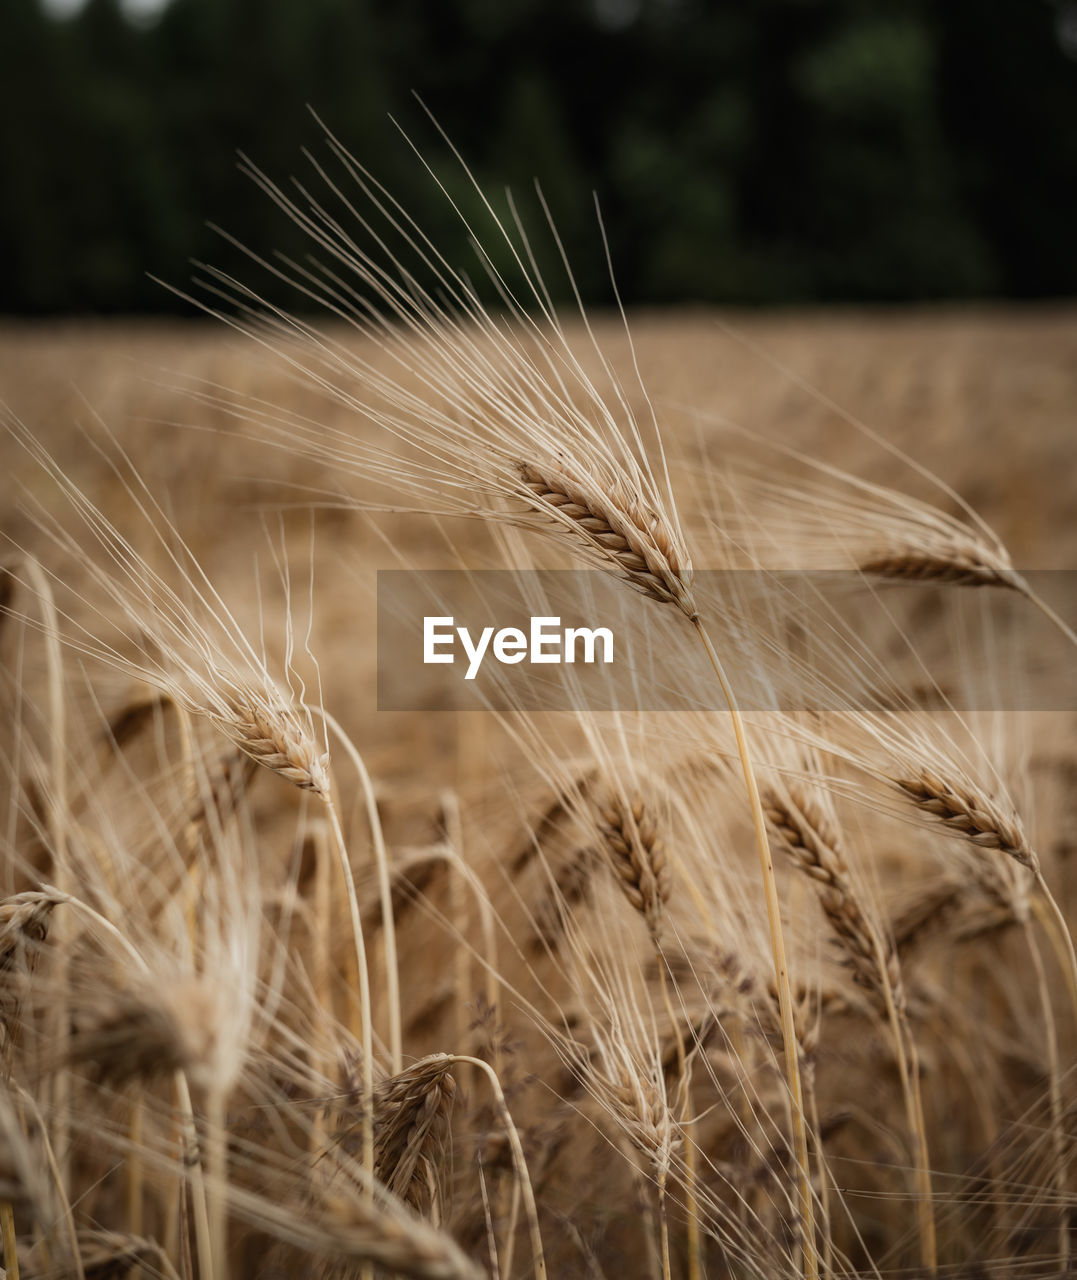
[{"x": 290, "y": 986}]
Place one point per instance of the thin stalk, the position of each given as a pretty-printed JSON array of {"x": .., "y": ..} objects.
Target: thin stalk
[
  {"x": 781, "y": 972},
  {"x": 57, "y": 821},
  {"x": 458, "y": 906},
  {"x": 467, "y": 876},
  {"x": 217, "y": 1179},
  {"x": 908, "y": 1063},
  {"x": 192, "y": 1162},
  {"x": 321, "y": 942},
  {"x": 11, "y": 1251},
  {"x": 134, "y": 1173},
  {"x": 663, "y": 1227},
  {"x": 1054, "y": 922},
  {"x": 691, "y": 1203},
  {"x": 824, "y": 1181},
  {"x": 366, "y": 1031},
  {"x": 1049, "y": 613},
  {"x": 392, "y": 968},
  {"x": 646, "y": 1206},
  {"x": 538, "y": 1257},
  {"x": 1054, "y": 1076}
]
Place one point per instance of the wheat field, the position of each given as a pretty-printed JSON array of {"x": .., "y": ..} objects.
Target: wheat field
[{"x": 449, "y": 993}]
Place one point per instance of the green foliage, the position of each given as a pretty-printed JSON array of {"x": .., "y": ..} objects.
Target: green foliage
[{"x": 772, "y": 152}]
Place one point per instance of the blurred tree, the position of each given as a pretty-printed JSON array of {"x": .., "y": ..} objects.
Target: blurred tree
[{"x": 788, "y": 150}]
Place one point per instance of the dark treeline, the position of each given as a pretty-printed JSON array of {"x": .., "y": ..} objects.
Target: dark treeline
[{"x": 774, "y": 151}]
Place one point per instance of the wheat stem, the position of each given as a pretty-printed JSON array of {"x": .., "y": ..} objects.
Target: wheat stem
[
  {"x": 1058, "y": 1134},
  {"x": 392, "y": 968},
  {"x": 217, "y": 1179},
  {"x": 695, "y": 1240},
  {"x": 11, "y": 1251},
  {"x": 366, "y": 1030},
  {"x": 58, "y": 819},
  {"x": 781, "y": 972},
  {"x": 1060, "y": 935},
  {"x": 538, "y": 1257},
  {"x": 1050, "y": 614},
  {"x": 908, "y": 1063},
  {"x": 192, "y": 1160}
]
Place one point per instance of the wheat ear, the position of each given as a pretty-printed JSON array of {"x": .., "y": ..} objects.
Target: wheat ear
[
  {"x": 411, "y": 1124},
  {"x": 634, "y": 538},
  {"x": 635, "y": 852},
  {"x": 970, "y": 813},
  {"x": 956, "y": 563}
]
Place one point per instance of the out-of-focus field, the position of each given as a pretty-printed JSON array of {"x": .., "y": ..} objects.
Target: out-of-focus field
[
  {"x": 986, "y": 399},
  {"x": 983, "y": 399}
]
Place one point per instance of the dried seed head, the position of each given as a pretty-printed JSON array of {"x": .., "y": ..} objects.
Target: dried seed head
[
  {"x": 617, "y": 525},
  {"x": 636, "y": 854},
  {"x": 931, "y": 909},
  {"x": 24, "y": 927},
  {"x": 636, "y": 1099},
  {"x": 411, "y": 1126},
  {"x": 963, "y": 564},
  {"x": 810, "y": 835},
  {"x": 266, "y": 728},
  {"x": 142, "y": 1035},
  {"x": 969, "y": 813}
]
